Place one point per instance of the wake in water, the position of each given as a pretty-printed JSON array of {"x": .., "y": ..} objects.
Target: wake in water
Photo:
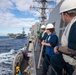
[
  {"x": 8, "y": 48},
  {"x": 6, "y": 61}
]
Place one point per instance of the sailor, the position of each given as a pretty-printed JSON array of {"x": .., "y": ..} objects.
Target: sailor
[
  {"x": 52, "y": 58},
  {"x": 38, "y": 33},
  {"x": 43, "y": 36},
  {"x": 68, "y": 40}
]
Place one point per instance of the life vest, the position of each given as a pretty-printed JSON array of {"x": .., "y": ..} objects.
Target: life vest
[{"x": 64, "y": 42}]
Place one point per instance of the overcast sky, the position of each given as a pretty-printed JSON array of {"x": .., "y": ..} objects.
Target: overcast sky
[{"x": 16, "y": 14}]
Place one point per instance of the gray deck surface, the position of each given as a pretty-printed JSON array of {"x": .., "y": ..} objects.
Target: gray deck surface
[
  {"x": 37, "y": 53},
  {"x": 38, "y": 71}
]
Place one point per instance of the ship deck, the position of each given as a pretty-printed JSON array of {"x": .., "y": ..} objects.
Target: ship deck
[{"x": 37, "y": 53}]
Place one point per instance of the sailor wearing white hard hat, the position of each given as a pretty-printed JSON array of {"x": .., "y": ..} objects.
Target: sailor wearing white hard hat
[
  {"x": 68, "y": 40},
  {"x": 43, "y": 33},
  {"x": 54, "y": 57},
  {"x": 43, "y": 27},
  {"x": 43, "y": 36},
  {"x": 68, "y": 10}
]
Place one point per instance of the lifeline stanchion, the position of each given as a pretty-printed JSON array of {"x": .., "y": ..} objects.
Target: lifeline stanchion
[
  {"x": 36, "y": 41},
  {"x": 39, "y": 62},
  {"x": 34, "y": 63}
]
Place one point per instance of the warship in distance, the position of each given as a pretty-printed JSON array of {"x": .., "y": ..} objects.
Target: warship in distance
[
  {"x": 18, "y": 36},
  {"x": 21, "y": 36}
]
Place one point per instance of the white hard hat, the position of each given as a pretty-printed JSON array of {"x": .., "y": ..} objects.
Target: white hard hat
[
  {"x": 49, "y": 26},
  {"x": 43, "y": 26},
  {"x": 67, "y": 5}
]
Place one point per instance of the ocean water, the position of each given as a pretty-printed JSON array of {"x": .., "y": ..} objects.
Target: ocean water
[{"x": 8, "y": 48}]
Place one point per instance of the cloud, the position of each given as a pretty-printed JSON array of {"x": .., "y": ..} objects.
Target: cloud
[
  {"x": 9, "y": 20},
  {"x": 22, "y": 5},
  {"x": 5, "y": 4}
]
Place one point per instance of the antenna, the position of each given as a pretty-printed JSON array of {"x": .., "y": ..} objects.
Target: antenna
[
  {"x": 23, "y": 32},
  {"x": 43, "y": 7}
]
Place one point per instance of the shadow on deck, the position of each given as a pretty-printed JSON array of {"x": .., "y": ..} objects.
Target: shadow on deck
[
  {"x": 38, "y": 71},
  {"x": 37, "y": 54}
]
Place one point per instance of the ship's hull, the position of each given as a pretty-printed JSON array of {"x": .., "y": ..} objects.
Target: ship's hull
[{"x": 20, "y": 37}]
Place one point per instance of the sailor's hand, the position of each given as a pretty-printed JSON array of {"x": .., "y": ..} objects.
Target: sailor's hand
[
  {"x": 43, "y": 43},
  {"x": 55, "y": 50}
]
